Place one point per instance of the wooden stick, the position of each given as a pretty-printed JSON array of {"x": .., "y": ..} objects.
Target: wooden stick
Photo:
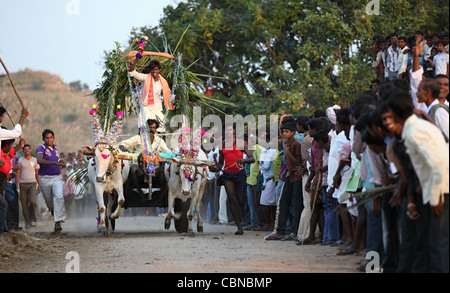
[
  {"x": 187, "y": 161},
  {"x": 125, "y": 157},
  {"x": 374, "y": 193},
  {"x": 12, "y": 83},
  {"x": 7, "y": 112},
  {"x": 376, "y": 190}
]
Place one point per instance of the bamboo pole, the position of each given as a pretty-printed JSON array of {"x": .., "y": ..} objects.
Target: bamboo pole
[{"x": 13, "y": 85}]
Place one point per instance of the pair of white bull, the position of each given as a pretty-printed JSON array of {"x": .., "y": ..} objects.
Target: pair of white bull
[{"x": 184, "y": 182}]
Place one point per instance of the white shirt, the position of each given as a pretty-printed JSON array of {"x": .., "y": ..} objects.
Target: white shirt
[
  {"x": 336, "y": 144},
  {"x": 441, "y": 117},
  {"x": 440, "y": 63},
  {"x": 352, "y": 140},
  {"x": 416, "y": 78},
  {"x": 28, "y": 169},
  {"x": 157, "y": 90},
  {"x": 9, "y": 134},
  {"x": 392, "y": 59},
  {"x": 212, "y": 175},
  {"x": 429, "y": 155},
  {"x": 379, "y": 59},
  {"x": 135, "y": 141},
  {"x": 402, "y": 60}
]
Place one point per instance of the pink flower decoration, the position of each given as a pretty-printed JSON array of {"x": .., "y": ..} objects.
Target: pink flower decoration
[
  {"x": 119, "y": 114},
  {"x": 105, "y": 156},
  {"x": 92, "y": 112}
]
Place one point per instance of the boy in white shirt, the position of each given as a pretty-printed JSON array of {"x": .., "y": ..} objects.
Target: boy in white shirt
[{"x": 440, "y": 61}]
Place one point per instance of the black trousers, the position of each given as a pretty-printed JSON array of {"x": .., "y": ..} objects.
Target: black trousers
[{"x": 292, "y": 196}]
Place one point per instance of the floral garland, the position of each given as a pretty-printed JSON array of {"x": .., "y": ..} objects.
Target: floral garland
[
  {"x": 145, "y": 132},
  {"x": 98, "y": 132},
  {"x": 189, "y": 149}
]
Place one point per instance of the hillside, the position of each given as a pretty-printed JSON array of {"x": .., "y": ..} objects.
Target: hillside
[{"x": 55, "y": 105}]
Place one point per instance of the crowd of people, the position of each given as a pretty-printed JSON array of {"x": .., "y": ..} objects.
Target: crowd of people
[
  {"x": 29, "y": 180},
  {"x": 369, "y": 177}
]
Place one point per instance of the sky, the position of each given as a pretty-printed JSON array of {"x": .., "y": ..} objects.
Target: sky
[{"x": 68, "y": 37}]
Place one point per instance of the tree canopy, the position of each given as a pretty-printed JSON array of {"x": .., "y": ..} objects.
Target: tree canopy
[{"x": 277, "y": 56}]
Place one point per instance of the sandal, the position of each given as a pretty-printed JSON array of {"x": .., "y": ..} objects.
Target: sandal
[
  {"x": 346, "y": 251},
  {"x": 274, "y": 236},
  {"x": 289, "y": 237},
  {"x": 307, "y": 241},
  {"x": 58, "y": 227}
]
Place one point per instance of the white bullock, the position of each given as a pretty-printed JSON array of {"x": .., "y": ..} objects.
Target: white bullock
[
  {"x": 186, "y": 181},
  {"x": 106, "y": 174}
]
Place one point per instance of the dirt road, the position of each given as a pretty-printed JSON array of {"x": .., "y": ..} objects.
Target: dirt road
[{"x": 141, "y": 244}]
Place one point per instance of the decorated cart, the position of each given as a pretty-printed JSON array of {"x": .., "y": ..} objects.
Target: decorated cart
[{"x": 123, "y": 94}]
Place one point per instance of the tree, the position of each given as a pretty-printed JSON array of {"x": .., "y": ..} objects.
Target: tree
[{"x": 288, "y": 56}]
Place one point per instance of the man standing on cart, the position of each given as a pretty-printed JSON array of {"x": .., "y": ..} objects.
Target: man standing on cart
[{"x": 154, "y": 85}]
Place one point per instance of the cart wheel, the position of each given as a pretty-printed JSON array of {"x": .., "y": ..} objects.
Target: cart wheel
[{"x": 182, "y": 224}]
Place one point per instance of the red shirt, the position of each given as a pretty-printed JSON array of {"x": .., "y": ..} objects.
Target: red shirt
[
  {"x": 231, "y": 155},
  {"x": 7, "y": 167}
]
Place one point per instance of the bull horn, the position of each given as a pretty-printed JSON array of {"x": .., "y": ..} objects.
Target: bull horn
[{"x": 87, "y": 151}]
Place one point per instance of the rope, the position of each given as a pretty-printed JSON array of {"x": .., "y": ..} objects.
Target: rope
[{"x": 240, "y": 166}]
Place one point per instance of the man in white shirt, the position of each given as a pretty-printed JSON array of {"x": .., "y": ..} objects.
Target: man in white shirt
[
  {"x": 155, "y": 89},
  {"x": 416, "y": 75},
  {"x": 443, "y": 82},
  {"x": 402, "y": 56},
  {"x": 155, "y": 145},
  {"x": 17, "y": 131},
  {"x": 440, "y": 60},
  {"x": 27, "y": 181},
  {"x": 429, "y": 155},
  {"x": 428, "y": 93},
  {"x": 392, "y": 58}
]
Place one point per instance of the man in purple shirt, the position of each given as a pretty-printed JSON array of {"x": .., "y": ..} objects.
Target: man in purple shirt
[{"x": 50, "y": 177}]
